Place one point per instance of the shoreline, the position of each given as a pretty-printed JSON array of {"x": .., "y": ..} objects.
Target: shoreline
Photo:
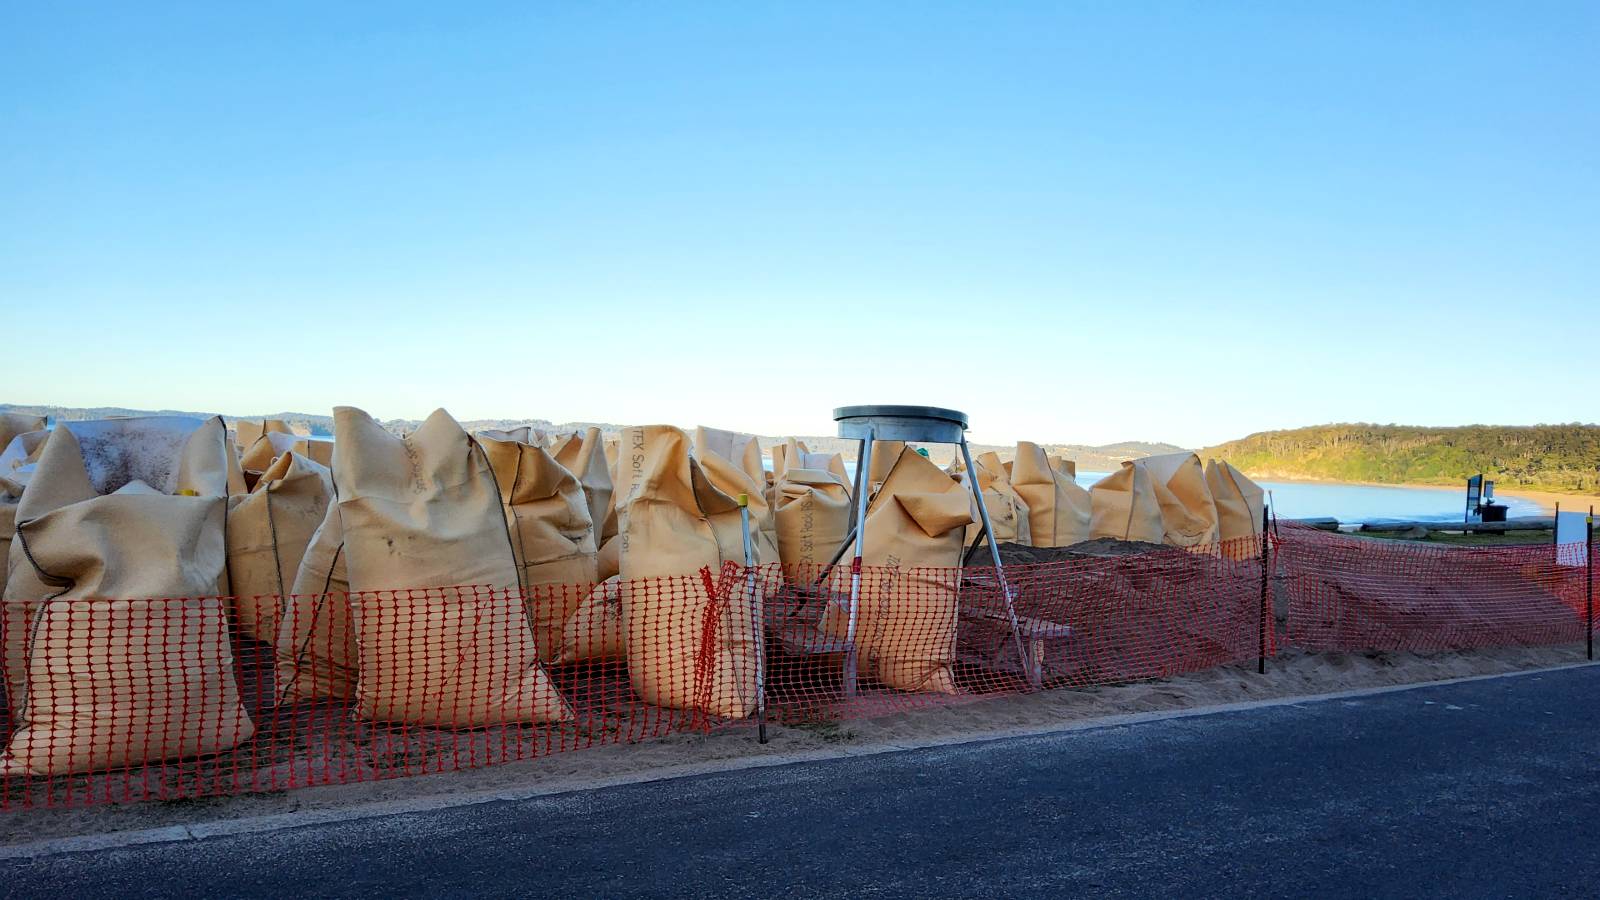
[{"x": 1545, "y": 500}]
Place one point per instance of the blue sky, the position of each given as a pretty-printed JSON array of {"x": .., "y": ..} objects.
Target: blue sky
[{"x": 1078, "y": 222}]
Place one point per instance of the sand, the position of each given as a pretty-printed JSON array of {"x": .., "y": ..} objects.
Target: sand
[
  {"x": 1290, "y": 674},
  {"x": 1547, "y": 500}
]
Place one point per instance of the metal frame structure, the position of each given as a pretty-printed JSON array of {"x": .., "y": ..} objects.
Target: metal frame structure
[{"x": 912, "y": 424}]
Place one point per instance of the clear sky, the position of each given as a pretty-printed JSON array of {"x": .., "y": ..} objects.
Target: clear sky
[{"x": 1077, "y": 222}]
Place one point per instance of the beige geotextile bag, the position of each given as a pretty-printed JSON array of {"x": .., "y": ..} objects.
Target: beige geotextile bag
[
  {"x": 673, "y": 523},
  {"x": 813, "y": 518},
  {"x": 269, "y": 530},
  {"x": 584, "y": 455},
  {"x": 1009, "y": 515},
  {"x": 1124, "y": 506},
  {"x": 1188, "y": 514},
  {"x": 1239, "y": 503},
  {"x": 1058, "y": 509},
  {"x": 16, "y": 469},
  {"x": 884, "y": 456},
  {"x": 14, "y": 424},
  {"x": 595, "y": 629},
  {"x": 910, "y": 589},
  {"x": 273, "y": 444},
  {"x": 1064, "y": 466},
  {"x": 117, "y": 648},
  {"x": 247, "y": 431},
  {"x": 316, "y": 643},
  {"x": 552, "y": 537},
  {"x": 743, "y": 450},
  {"x": 443, "y": 637},
  {"x": 734, "y": 479}
]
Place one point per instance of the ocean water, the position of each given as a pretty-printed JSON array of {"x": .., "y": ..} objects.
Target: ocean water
[{"x": 1359, "y": 502}]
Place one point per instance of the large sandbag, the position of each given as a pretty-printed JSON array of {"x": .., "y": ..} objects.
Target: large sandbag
[
  {"x": 247, "y": 431},
  {"x": 906, "y": 626},
  {"x": 12, "y": 425},
  {"x": 1124, "y": 506},
  {"x": 595, "y": 630},
  {"x": 1188, "y": 514},
  {"x": 269, "y": 530},
  {"x": 316, "y": 643},
  {"x": 1239, "y": 503},
  {"x": 17, "y": 460},
  {"x": 674, "y": 523},
  {"x": 743, "y": 450},
  {"x": 259, "y": 456},
  {"x": 1009, "y": 515},
  {"x": 1058, "y": 509},
  {"x": 884, "y": 456},
  {"x": 552, "y": 538},
  {"x": 583, "y": 454},
  {"x": 744, "y": 476},
  {"x": 813, "y": 519},
  {"x": 1064, "y": 466},
  {"x": 442, "y": 634},
  {"x": 98, "y": 676}
]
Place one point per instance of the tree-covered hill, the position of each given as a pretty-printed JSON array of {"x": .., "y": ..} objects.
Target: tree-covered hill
[{"x": 1540, "y": 457}]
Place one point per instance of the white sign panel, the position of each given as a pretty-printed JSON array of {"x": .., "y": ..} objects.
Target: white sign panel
[{"x": 1572, "y": 539}]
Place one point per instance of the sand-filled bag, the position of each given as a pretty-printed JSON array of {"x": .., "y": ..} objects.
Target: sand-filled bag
[
  {"x": 1058, "y": 508},
  {"x": 1009, "y": 515},
  {"x": 259, "y": 456},
  {"x": 269, "y": 530},
  {"x": 116, "y": 645},
  {"x": 17, "y": 465},
  {"x": 583, "y": 453},
  {"x": 247, "y": 431},
  {"x": 1239, "y": 503},
  {"x": 1124, "y": 506},
  {"x": 674, "y": 522},
  {"x": 1188, "y": 513},
  {"x": 442, "y": 634},
  {"x": 552, "y": 537},
  {"x": 734, "y": 478},
  {"x": 813, "y": 519},
  {"x": 316, "y": 643},
  {"x": 910, "y": 588}
]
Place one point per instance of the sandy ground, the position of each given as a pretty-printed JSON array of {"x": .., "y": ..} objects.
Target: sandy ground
[
  {"x": 1547, "y": 500},
  {"x": 1291, "y": 674}
]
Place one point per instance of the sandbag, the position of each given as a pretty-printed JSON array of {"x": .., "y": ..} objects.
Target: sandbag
[
  {"x": 743, "y": 450},
  {"x": 1123, "y": 505},
  {"x": 674, "y": 522},
  {"x": 273, "y": 444},
  {"x": 451, "y": 646},
  {"x": 1188, "y": 514},
  {"x": 1009, "y": 515},
  {"x": 734, "y": 478},
  {"x": 583, "y": 454},
  {"x": 608, "y": 561},
  {"x": 269, "y": 530},
  {"x": 596, "y": 630},
  {"x": 17, "y": 460},
  {"x": 813, "y": 519},
  {"x": 1239, "y": 503},
  {"x": 910, "y": 586},
  {"x": 522, "y": 434},
  {"x": 884, "y": 456},
  {"x": 13, "y": 425},
  {"x": 1064, "y": 466},
  {"x": 1058, "y": 509},
  {"x": 316, "y": 655},
  {"x": 247, "y": 431},
  {"x": 552, "y": 538},
  {"x": 119, "y": 509}
]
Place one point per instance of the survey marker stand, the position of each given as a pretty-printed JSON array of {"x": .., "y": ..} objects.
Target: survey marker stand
[{"x": 920, "y": 425}]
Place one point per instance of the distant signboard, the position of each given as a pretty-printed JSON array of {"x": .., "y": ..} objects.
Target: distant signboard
[
  {"x": 1474, "y": 496},
  {"x": 1572, "y": 539}
]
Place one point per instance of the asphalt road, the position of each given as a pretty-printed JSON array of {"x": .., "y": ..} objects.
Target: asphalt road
[{"x": 1486, "y": 788}]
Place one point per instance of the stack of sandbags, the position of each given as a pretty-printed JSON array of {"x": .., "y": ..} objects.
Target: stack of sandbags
[
  {"x": 1239, "y": 503},
  {"x": 1159, "y": 499},
  {"x": 794, "y": 454},
  {"x": 116, "y": 643},
  {"x": 673, "y": 522},
  {"x": 552, "y": 536},
  {"x": 440, "y": 633},
  {"x": 910, "y": 588},
  {"x": 269, "y": 530},
  {"x": 812, "y": 514},
  {"x": 1008, "y": 512},
  {"x": 1058, "y": 509}
]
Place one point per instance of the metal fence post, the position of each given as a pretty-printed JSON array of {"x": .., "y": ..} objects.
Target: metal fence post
[
  {"x": 1588, "y": 568},
  {"x": 1261, "y": 656}
]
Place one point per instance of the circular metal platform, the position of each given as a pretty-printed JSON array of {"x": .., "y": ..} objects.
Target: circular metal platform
[{"x": 895, "y": 422}]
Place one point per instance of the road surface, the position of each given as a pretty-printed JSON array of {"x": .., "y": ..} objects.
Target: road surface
[{"x": 1482, "y": 788}]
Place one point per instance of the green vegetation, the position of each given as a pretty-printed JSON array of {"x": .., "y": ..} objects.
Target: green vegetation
[
  {"x": 1537, "y": 457},
  {"x": 1469, "y": 539}
]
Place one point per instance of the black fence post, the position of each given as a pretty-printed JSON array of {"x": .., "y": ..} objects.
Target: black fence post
[
  {"x": 1261, "y": 654},
  {"x": 1588, "y": 569}
]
